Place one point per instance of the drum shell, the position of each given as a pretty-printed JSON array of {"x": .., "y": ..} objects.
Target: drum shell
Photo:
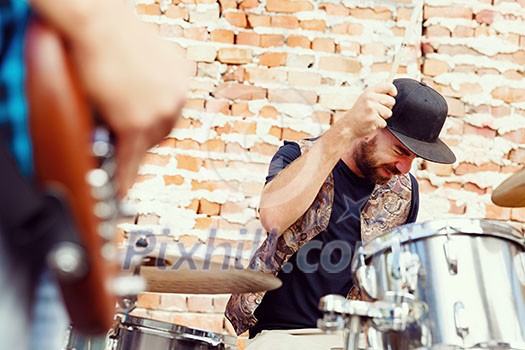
[{"x": 489, "y": 287}]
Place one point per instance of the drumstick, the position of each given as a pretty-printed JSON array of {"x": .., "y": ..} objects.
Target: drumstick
[{"x": 418, "y": 9}]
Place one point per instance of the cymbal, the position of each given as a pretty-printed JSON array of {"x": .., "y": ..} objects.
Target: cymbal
[
  {"x": 511, "y": 192},
  {"x": 205, "y": 278}
]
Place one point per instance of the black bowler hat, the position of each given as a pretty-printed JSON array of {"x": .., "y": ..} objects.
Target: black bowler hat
[{"x": 417, "y": 119}]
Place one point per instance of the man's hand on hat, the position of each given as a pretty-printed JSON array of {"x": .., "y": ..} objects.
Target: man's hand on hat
[{"x": 371, "y": 109}]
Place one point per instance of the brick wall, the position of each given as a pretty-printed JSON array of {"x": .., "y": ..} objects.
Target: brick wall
[{"x": 266, "y": 71}]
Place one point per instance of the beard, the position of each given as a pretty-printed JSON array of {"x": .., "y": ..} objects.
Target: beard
[{"x": 366, "y": 161}]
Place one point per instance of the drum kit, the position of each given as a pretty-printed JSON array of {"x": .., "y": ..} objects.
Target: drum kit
[
  {"x": 444, "y": 284},
  {"x": 162, "y": 276}
]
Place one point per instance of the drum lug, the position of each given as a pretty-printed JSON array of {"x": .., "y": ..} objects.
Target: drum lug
[
  {"x": 366, "y": 275},
  {"x": 451, "y": 256},
  {"x": 462, "y": 328}
]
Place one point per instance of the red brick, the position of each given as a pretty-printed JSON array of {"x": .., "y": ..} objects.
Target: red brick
[
  {"x": 200, "y": 303},
  {"x": 210, "y": 322},
  {"x": 266, "y": 149},
  {"x": 484, "y": 131},
  {"x": 352, "y": 48},
  {"x": 174, "y": 302},
  {"x": 222, "y": 36},
  {"x": 298, "y": 41},
  {"x": 171, "y": 30},
  {"x": 262, "y": 74},
  {"x": 288, "y": 6},
  {"x": 216, "y": 106},
  {"x": 313, "y": 24},
  {"x": 433, "y": 67},
  {"x": 268, "y": 40},
  {"x": 148, "y": 301},
  {"x": 354, "y": 29},
  {"x": 289, "y": 22},
  {"x": 240, "y": 91},
  {"x": 234, "y": 55},
  {"x": 148, "y": 9},
  {"x": 403, "y": 14},
  {"x": 203, "y": 223},
  {"x": 228, "y": 4},
  {"x": 518, "y": 214},
  {"x": 439, "y": 169},
  {"x": 517, "y": 136},
  {"x": 188, "y": 162},
  {"x": 213, "y": 145},
  {"x": 292, "y": 96},
  {"x": 455, "y": 208},
  {"x": 196, "y": 33},
  {"x": 240, "y": 110},
  {"x": 269, "y": 112},
  {"x": 156, "y": 159},
  {"x": 508, "y": 94},
  {"x": 374, "y": 49},
  {"x": 517, "y": 156},
  {"x": 177, "y": 12},
  {"x": 248, "y": 38},
  {"x": 208, "y": 208},
  {"x": 425, "y": 186},
  {"x": 304, "y": 79},
  {"x": 339, "y": 64},
  {"x": 273, "y": 59},
  {"x": 237, "y": 19},
  {"x": 496, "y": 212},
  {"x": 447, "y": 12},
  {"x": 193, "y": 206},
  {"x": 335, "y": 9},
  {"x": 259, "y": 20},
  {"x": 340, "y": 28},
  {"x": 485, "y": 17},
  {"x": 234, "y": 73},
  {"x": 290, "y": 134},
  {"x": 203, "y": 185},
  {"x": 463, "y": 32},
  {"x": 366, "y": 13},
  {"x": 437, "y": 31},
  {"x": 173, "y": 180},
  {"x": 276, "y": 131},
  {"x": 456, "y": 107},
  {"x": 248, "y": 4},
  {"x": 195, "y": 103},
  {"x": 323, "y": 44},
  {"x": 187, "y": 144},
  {"x": 201, "y": 53},
  {"x": 469, "y": 186}
]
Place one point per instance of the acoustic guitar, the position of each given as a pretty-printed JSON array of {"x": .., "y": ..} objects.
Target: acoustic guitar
[{"x": 70, "y": 160}]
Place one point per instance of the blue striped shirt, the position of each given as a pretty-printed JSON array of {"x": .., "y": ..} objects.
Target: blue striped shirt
[{"x": 13, "y": 108}]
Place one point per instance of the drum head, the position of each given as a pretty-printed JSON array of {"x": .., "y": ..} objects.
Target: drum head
[
  {"x": 178, "y": 332},
  {"x": 453, "y": 226}
]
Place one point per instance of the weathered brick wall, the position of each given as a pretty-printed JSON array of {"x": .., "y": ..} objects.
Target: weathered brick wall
[
  {"x": 475, "y": 55},
  {"x": 270, "y": 70}
]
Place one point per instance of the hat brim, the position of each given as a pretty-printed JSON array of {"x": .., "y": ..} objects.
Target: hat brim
[
  {"x": 511, "y": 192},
  {"x": 437, "y": 151}
]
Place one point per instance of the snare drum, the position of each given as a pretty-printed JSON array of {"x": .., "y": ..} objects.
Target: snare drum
[
  {"x": 136, "y": 333},
  {"x": 470, "y": 273}
]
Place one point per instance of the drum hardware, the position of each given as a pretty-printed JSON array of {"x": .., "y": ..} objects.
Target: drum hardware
[
  {"x": 460, "y": 319},
  {"x": 480, "y": 306},
  {"x": 392, "y": 314},
  {"x": 450, "y": 249},
  {"x": 365, "y": 275}
]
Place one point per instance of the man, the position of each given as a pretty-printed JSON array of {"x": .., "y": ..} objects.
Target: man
[
  {"x": 324, "y": 196},
  {"x": 137, "y": 83}
]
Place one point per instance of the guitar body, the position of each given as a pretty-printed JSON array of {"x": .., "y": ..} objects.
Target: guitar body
[{"x": 62, "y": 127}]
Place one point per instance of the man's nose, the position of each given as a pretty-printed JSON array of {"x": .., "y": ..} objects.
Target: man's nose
[{"x": 404, "y": 165}]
